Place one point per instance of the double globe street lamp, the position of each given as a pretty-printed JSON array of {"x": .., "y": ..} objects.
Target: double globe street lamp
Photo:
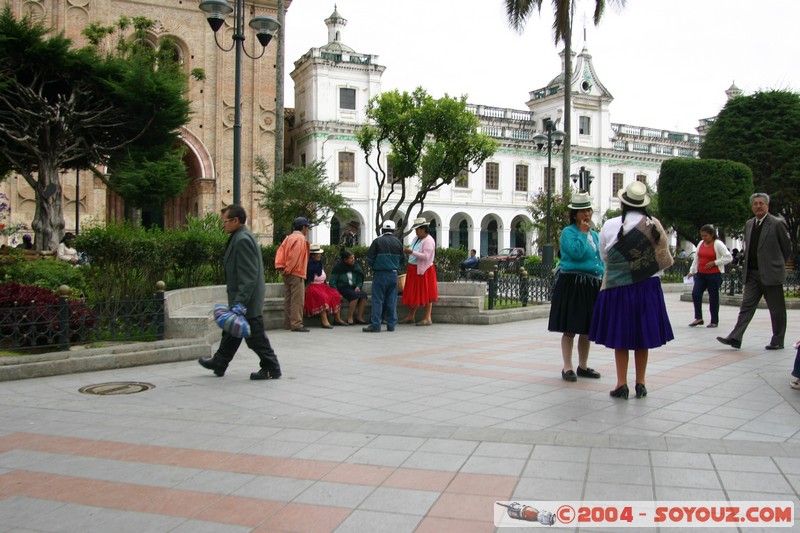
[
  {"x": 583, "y": 179},
  {"x": 265, "y": 27},
  {"x": 551, "y": 142}
]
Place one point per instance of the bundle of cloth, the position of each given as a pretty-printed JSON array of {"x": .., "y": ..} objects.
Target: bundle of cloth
[{"x": 232, "y": 320}]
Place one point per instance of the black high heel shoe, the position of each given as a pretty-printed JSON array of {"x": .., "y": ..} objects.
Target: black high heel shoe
[
  {"x": 620, "y": 392},
  {"x": 641, "y": 390}
]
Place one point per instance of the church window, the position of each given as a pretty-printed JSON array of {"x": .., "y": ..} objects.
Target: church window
[
  {"x": 642, "y": 178},
  {"x": 493, "y": 176},
  {"x": 347, "y": 98},
  {"x": 585, "y": 125},
  {"x": 347, "y": 167},
  {"x": 521, "y": 178}
]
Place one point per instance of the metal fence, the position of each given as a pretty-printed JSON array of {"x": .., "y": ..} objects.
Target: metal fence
[
  {"x": 513, "y": 286},
  {"x": 28, "y": 326},
  {"x": 507, "y": 287}
]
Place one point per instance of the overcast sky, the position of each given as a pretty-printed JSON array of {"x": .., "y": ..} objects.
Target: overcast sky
[{"x": 666, "y": 62}]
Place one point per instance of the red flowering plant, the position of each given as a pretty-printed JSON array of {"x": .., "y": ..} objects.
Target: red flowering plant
[{"x": 29, "y": 316}]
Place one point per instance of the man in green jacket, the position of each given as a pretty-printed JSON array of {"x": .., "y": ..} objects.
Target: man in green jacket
[{"x": 244, "y": 277}]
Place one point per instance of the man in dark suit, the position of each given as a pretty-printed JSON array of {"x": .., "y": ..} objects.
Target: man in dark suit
[
  {"x": 244, "y": 277},
  {"x": 767, "y": 249}
]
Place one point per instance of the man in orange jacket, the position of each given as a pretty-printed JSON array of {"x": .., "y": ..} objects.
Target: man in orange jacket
[{"x": 291, "y": 260}]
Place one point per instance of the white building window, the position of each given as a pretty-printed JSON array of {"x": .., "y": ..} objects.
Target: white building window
[
  {"x": 347, "y": 98},
  {"x": 550, "y": 179},
  {"x": 492, "y": 176},
  {"x": 462, "y": 180},
  {"x": 521, "y": 178},
  {"x": 585, "y": 125},
  {"x": 616, "y": 182},
  {"x": 347, "y": 167}
]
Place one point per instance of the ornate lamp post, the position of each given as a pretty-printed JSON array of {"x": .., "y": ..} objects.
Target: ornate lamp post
[
  {"x": 583, "y": 179},
  {"x": 552, "y": 141},
  {"x": 265, "y": 27}
]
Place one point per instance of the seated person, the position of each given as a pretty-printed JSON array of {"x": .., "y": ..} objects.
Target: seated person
[
  {"x": 321, "y": 299},
  {"x": 471, "y": 262},
  {"x": 348, "y": 278},
  {"x": 27, "y": 243},
  {"x": 65, "y": 251}
]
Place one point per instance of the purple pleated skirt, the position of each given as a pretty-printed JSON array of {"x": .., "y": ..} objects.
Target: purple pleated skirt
[{"x": 631, "y": 317}]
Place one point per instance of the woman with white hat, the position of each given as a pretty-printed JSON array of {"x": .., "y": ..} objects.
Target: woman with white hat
[
  {"x": 321, "y": 299},
  {"x": 630, "y": 313},
  {"x": 421, "y": 288},
  {"x": 580, "y": 273}
]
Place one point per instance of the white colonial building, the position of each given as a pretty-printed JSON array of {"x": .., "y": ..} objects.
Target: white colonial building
[{"x": 487, "y": 209}]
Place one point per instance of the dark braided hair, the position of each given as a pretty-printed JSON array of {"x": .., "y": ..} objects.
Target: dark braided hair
[{"x": 643, "y": 210}]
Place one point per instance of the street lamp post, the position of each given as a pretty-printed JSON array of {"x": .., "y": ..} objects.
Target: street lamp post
[
  {"x": 552, "y": 141},
  {"x": 265, "y": 27},
  {"x": 583, "y": 179}
]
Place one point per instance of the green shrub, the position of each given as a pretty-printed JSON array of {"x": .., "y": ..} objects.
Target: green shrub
[
  {"x": 45, "y": 273},
  {"x": 448, "y": 263},
  {"x": 124, "y": 263},
  {"x": 532, "y": 261},
  {"x": 196, "y": 253}
]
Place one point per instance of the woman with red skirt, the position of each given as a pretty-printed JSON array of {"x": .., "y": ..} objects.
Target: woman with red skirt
[
  {"x": 321, "y": 299},
  {"x": 421, "y": 288}
]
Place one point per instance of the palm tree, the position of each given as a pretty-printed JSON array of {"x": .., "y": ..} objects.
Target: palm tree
[{"x": 518, "y": 12}]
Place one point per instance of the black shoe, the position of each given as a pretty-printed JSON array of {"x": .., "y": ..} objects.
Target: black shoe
[
  {"x": 264, "y": 374},
  {"x": 569, "y": 375},
  {"x": 773, "y": 347},
  {"x": 301, "y": 330},
  {"x": 329, "y": 326},
  {"x": 730, "y": 342},
  {"x": 357, "y": 321},
  {"x": 588, "y": 373},
  {"x": 698, "y": 322},
  {"x": 370, "y": 329},
  {"x": 209, "y": 363},
  {"x": 712, "y": 325},
  {"x": 620, "y": 392},
  {"x": 641, "y": 390},
  {"x": 389, "y": 329}
]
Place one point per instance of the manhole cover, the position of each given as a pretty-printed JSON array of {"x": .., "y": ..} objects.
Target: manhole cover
[{"x": 116, "y": 387}]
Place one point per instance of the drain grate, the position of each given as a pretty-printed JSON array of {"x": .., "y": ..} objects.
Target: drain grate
[{"x": 116, "y": 387}]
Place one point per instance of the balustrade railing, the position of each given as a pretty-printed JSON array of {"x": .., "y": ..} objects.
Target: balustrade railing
[{"x": 32, "y": 326}]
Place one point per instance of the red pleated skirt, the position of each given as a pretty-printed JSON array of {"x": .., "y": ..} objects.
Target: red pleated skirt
[
  {"x": 321, "y": 297},
  {"x": 420, "y": 290}
]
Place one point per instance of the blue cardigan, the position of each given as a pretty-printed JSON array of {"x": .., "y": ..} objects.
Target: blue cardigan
[{"x": 577, "y": 255}]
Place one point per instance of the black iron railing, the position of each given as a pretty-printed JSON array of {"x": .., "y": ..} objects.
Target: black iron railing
[{"x": 28, "y": 326}]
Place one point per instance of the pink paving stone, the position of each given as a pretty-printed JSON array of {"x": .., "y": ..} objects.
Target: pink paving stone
[
  {"x": 498, "y": 487},
  {"x": 239, "y": 511},
  {"x": 302, "y": 518}
]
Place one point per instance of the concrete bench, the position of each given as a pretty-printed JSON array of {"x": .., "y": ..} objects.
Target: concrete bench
[{"x": 188, "y": 312}]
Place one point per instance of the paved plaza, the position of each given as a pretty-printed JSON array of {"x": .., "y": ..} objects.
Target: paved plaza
[{"x": 420, "y": 430}]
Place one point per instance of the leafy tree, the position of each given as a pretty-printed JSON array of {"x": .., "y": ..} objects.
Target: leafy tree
[
  {"x": 518, "y": 12},
  {"x": 762, "y": 131},
  {"x": 432, "y": 140},
  {"x": 559, "y": 218},
  {"x": 151, "y": 82},
  {"x": 62, "y": 108},
  {"x": 301, "y": 191},
  {"x": 719, "y": 194}
]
